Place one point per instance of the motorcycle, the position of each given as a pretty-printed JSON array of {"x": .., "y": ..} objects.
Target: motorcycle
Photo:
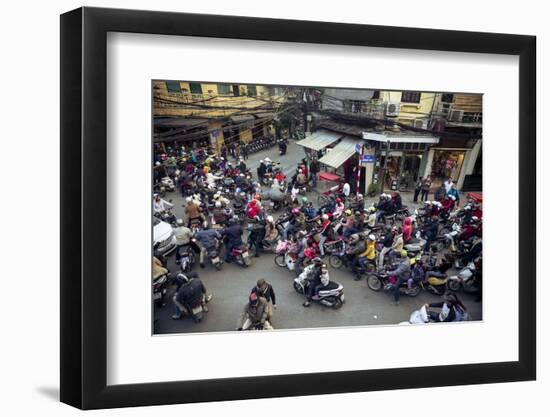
[
  {"x": 330, "y": 296},
  {"x": 186, "y": 259},
  {"x": 168, "y": 184},
  {"x": 340, "y": 259},
  {"x": 379, "y": 280},
  {"x": 465, "y": 280},
  {"x": 284, "y": 258},
  {"x": 241, "y": 256},
  {"x": 160, "y": 288}
]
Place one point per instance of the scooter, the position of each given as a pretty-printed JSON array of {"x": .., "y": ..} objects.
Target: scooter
[
  {"x": 168, "y": 184},
  {"x": 284, "y": 258},
  {"x": 330, "y": 296},
  {"x": 186, "y": 259}
]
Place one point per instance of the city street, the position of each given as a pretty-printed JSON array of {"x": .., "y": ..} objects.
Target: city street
[{"x": 231, "y": 286}]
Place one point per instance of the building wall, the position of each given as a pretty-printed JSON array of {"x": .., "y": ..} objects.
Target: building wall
[
  {"x": 168, "y": 104},
  {"x": 411, "y": 111}
]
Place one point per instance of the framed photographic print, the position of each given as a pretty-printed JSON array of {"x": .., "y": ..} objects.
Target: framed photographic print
[{"x": 292, "y": 208}]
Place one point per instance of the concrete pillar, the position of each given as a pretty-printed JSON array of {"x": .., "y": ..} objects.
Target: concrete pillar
[
  {"x": 469, "y": 163},
  {"x": 429, "y": 161}
]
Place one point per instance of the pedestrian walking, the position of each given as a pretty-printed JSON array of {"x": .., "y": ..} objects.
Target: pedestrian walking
[
  {"x": 417, "y": 189},
  {"x": 426, "y": 185}
]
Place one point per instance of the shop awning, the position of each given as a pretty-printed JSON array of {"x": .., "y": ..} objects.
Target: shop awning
[
  {"x": 320, "y": 139},
  {"x": 179, "y": 122},
  {"x": 341, "y": 152},
  {"x": 378, "y": 137},
  {"x": 243, "y": 118}
]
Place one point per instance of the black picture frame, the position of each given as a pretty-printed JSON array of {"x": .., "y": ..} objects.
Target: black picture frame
[{"x": 84, "y": 207}]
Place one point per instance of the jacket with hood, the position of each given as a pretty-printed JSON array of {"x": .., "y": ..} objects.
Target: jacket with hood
[
  {"x": 397, "y": 243},
  {"x": 407, "y": 229}
]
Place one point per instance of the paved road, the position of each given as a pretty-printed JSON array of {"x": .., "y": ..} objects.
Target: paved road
[{"x": 231, "y": 287}]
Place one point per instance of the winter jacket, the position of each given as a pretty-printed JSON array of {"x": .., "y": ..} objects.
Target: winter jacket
[
  {"x": 233, "y": 234},
  {"x": 370, "y": 251},
  {"x": 407, "y": 229},
  {"x": 158, "y": 269},
  {"x": 397, "y": 243},
  {"x": 208, "y": 238},
  {"x": 402, "y": 271},
  {"x": 192, "y": 211}
]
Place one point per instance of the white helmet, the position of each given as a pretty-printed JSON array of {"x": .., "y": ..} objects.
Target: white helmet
[
  {"x": 157, "y": 163},
  {"x": 359, "y": 196},
  {"x": 267, "y": 160},
  {"x": 270, "y": 219},
  {"x": 324, "y": 216},
  {"x": 222, "y": 158},
  {"x": 218, "y": 204},
  {"x": 468, "y": 207},
  {"x": 372, "y": 237},
  {"x": 179, "y": 222},
  {"x": 188, "y": 199},
  {"x": 475, "y": 218}
]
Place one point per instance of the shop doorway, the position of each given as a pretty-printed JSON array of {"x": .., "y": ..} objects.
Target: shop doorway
[{"x": 446, "y": 164}]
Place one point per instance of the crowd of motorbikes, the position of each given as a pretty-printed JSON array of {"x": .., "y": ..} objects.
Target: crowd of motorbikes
[{"x": 342, "y": 230}]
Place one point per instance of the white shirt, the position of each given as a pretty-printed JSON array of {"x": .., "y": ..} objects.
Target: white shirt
[
  {"x": 161, "y": 205},
  {"x": 346, "y": 189}
]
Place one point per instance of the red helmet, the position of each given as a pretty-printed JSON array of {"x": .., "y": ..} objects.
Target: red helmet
[
  {"x": 338, "y": 200},
  {"x": 295, "y": 211}
]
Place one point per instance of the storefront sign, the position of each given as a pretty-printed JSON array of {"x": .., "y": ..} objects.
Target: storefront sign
[{"x": 367, "y": 159}]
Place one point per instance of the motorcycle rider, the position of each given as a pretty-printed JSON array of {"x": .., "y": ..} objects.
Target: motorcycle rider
[
  {"x": 313, "y": 275},
  {"x": 431, "y": 228},
  {"x": 160, "y": 205},
  {"x": 233, "y": 237},
  {"x": 209, "y": 241},
  {"x": 368, "y": 255},
  {"x": 192, "y": 210},
  {"x": 451, "y": 309},
  {"x": 255, "y": 314},
  {"x": 324, "y": 233},
  {"x": 261, "y": 170},
  {"x": 183, "y": 236},
  {"x": 219, "y": 214},
  {"x": 257, "y": 235},
  {"x": 271, "y": 231},
  {"x": 265, "y": 290},
  {"x": 388, "y": 242},
  {"x": 402, "y": 273},
  {"x": 190, "y": 292}
]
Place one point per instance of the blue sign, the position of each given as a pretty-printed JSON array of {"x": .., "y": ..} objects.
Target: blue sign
[
  {"x": 358, "y": 148},
  {"x": 367, "y": 159}
]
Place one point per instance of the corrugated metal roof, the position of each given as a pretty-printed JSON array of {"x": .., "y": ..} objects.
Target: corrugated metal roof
[
  {"x": 243, "y": 118},
  {"x": 341, "y": 152},
  {"x": 179, "y": 122},
  {"x": 320, "y": 139}
]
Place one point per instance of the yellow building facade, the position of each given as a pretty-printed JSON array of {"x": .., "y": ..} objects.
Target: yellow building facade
[
  {"x": 411, "y": 106},
  {"x": 218, "y": 103}
]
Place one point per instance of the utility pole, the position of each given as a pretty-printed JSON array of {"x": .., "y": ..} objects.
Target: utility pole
[
  {"x": 383, "y": 179},
  {"x": 305, "y": 99}
]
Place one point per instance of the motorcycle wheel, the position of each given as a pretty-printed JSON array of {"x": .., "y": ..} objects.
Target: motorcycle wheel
[
  {"x": 454, "y": 285},
  {"x": 218, "y": 266},
  {"x": 374, "y": 283},
  {"x": 335, "y": 261},
  {"x": 280, "y": 261},
  {"x": 414, "y": 291},
  {"x": 370, "y": 268},
  {"x": 337, "y": 304},
  {"x": 297, "y": 288}
]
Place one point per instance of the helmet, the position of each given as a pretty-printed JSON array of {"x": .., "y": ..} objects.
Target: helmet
[
  {"x": 324, "y": 217},
  {"x": 179, "y": 222},
  {"x": 475, "y": 218},
  {"x": 218, "y": 204},
  {"x": 188, "y": 199},
  {"x": 267, "y": 160},
  {"x": 270, "y": 219},
  {"x": 348, "y": 212},
  {"x": 241, "y": 175},
  {"x": 295, "y": 211},
  {"x": 237, "y": 190},
  {"x": 222, "y": 158},
  {"x": 302, "y": 234},
  {"x": 317, "y": 260},
  {"x": 403, "y": 253},
  {"x": 359, "y": 196},
  {"x": 300, "y": 171},
  {"x": 372, "y": 209},
  {"x": 453, "y": 197},
  {"x": 354, "y": 238},
  {"x": 362, "y": 236},
  {"x": 394, "y": 229},
  {"x": 372, "y": 237},
  {"x": 412, "y": 261},
  {"x": 157, "y": 163},
  {"x": 338, "y": 200},
  {"x": 155, "y": 195},
  {"x": 468, "y": 207},
  {"x": 304, "y": 200},
  {"x": 253, "y": 299}
]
